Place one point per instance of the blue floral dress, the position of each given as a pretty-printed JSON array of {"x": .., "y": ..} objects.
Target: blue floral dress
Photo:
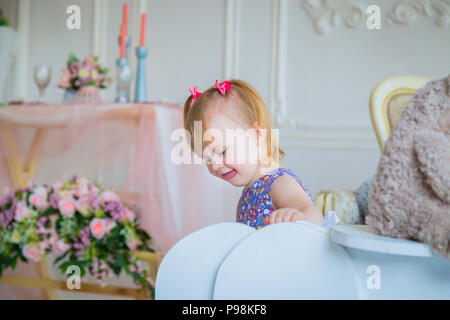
[{"x": 255, "y": 204}]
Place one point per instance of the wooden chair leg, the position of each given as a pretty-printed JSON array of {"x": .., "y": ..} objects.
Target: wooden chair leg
[{"x": 33, "y": 156}]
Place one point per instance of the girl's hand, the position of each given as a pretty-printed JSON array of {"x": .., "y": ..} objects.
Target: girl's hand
[{"x": 284, "y": 215}]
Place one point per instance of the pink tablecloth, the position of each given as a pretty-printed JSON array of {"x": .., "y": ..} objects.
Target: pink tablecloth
[{"x": 128, "y": 147}]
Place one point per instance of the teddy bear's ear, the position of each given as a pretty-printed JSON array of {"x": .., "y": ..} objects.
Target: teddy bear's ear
[{"x": 432, "y": 150}]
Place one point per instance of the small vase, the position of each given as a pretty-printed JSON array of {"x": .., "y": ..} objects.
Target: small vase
[
  {"x": 88, "y": 94},
  {"x": 69, "y": 95}
]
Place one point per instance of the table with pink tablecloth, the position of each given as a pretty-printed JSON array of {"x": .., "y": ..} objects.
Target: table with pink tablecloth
[{"x": 124, "y": 146}]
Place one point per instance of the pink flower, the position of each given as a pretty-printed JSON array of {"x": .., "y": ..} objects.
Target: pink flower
[
  {"x": 109, "y": 225},
  {"x": 129, "y": 216},
  {"x": 60, "y": 247},
  {"x": 108, "y": 196},
  {"x": 82, "y": 206},
  {"x": 67, "y": 207},
  {"x": 98, "y": 227},
  {"x": 22, "y": 211},
  {"x": 64, "y": 80},
  {"x": 89, "y": 61},
  {"x": 152, "y": 282},
  {"x": 94, "y": 189},
  {"x": 32, "y": 252},
  {"x": 39, "y": 201}
]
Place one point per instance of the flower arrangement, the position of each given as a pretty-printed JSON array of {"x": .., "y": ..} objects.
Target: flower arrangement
[
  {"x": 88, "y": 72},
  {"x": 82, "y": 223}
]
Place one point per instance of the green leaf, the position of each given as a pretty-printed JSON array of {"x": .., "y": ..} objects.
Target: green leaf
[
  {"x": 50, "y": 211},
  {"x": 72, "y": 58},
  {"x": 110, "y": 244},
  {"x": 100, "y": 213},
  {"x": 120, "y": 260},
  {"x": 60, "y": 258},
  {"x": 116, "y": 269},
  {"x": 4, "y": 22},
  {"x": 14, "y": 262},
  {"x": 65, "y": 265}
]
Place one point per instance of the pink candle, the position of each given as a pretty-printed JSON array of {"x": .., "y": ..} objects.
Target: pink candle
[
  {"x": 143, "y": 22},
  {"x": 125, "y": 17},
  {"x": 122, "y": 40}
]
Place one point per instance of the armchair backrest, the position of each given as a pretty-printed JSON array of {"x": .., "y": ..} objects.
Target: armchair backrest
[{"x": 388, "y": 100}]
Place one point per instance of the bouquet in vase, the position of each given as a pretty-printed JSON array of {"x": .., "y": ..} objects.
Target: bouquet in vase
[{"x": 82, "y": 80}]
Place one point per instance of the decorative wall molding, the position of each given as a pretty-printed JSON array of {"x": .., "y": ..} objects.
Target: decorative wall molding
[
  {"x": 100, "y": 29},
  {"x": 232, "y": 39},
  {"x": 300, "y": 133},
  {"x": 327, "y": 14},
  {"x": 21, "y": 64},
  {"x": 405, "y": 11}
]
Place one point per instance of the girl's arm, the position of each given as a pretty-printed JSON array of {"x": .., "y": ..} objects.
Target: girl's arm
[{"x": 291, "y": 202}]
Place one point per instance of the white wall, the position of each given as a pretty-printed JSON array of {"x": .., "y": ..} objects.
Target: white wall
[{"x": 317, "y": 85}]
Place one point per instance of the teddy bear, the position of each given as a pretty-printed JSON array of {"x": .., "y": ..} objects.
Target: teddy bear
[{"x": 410, "y": 194}]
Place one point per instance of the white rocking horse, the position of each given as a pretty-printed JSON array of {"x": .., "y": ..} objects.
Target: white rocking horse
[{"x": 300, "y": 260}]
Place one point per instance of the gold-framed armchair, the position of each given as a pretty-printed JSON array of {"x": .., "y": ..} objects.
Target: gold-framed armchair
[{"x": 387, "y": 101}]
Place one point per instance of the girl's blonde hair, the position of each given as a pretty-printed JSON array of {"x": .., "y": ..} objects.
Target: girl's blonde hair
[{"x": 248, "y": 106}]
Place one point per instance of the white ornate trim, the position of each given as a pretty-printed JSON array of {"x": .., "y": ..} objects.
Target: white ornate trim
[
  {"x": 327, "y": 14},
  {"x": 21, "y": 64},
  {"x": 232, "y": 39},
  {"x": 294, "y": 131},
  {"x": 405, "y": 11},
  {"x": 100, "y": 29}
]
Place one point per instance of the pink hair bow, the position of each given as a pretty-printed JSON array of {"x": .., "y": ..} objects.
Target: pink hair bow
[
  {"x": 195, "y": 94},
  {"x": 223, "y": 87}
]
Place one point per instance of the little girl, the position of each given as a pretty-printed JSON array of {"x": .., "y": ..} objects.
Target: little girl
[{"x": 271, "y": 193}]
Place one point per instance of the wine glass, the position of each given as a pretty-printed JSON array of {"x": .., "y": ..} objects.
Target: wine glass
[{"x": 42, "y": 75}]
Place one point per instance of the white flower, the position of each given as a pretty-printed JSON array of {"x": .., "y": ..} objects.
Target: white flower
[
  {"x": 83, "y": 207},
  {"x": 40, "y": 190},
  {"x": 64, "y": 194},
  {"x": 39, "y": 200},
  {"x": 22, "y": 211}
]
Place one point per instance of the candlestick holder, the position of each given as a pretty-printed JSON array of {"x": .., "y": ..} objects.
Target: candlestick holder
[
  {"x": 124, "y": 75},
  {"x": 127, "y": 45},
  {"x": 141, "y": 86}
]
